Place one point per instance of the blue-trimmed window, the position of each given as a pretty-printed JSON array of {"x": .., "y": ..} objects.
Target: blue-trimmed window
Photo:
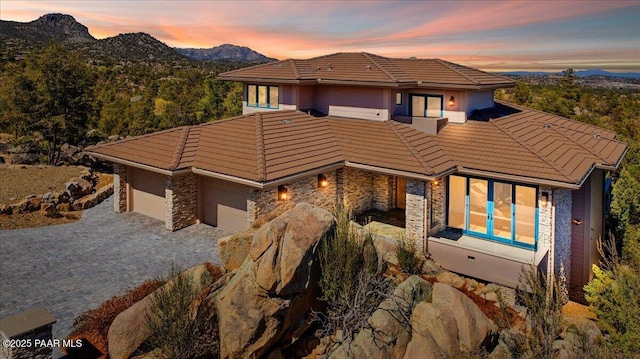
[
  {"x": 495, "y": 210},
  {"x": 262, "y": 96},
  {"x": 424, "y": 105}
]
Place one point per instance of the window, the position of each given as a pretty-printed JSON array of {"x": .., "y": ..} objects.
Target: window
[
  {"x": 492, "y": 209},
  {"x": 398, "y": 98},
  {"x": 262, "y": 96},
  {"x": 426, "y": 106}
]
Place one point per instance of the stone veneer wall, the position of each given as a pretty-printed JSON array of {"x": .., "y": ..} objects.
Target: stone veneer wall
[
  {"x": 382, "y": 192},
  {"x": 415, "y": 212},
  {"x": 261, "y": 202},
  {"x": 545, "y": 225},
  {"x": 437, "y": 220},
  {"x": 120, "y": 187},
  {"x": 357, "y": 190},
  {"x": 181, "y": 194},
  {"x": 562, "y": 231}
]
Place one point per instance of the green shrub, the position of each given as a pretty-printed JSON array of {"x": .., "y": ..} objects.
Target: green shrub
[
  {"x": 407, "y": 257},
  {"x": 181, "y": 322},
  {"x": 351, "y": 283}
]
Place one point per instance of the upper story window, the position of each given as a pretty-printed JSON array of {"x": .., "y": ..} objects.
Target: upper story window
[
  {"x": 398, "y": 98},
  {"x": 262, "y": 96},
  {"x": 426, "y": 105}
]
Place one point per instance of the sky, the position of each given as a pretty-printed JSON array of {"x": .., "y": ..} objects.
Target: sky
[{"x": 543, "y": 35}]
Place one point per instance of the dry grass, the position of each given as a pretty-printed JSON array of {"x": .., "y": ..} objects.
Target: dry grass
[
  {"x": 17, "y": 182},
  {"x": 36, "y": 219},
  {"x": 93, "y": 325}
]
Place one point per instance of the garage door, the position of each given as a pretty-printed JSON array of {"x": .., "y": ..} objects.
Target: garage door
[
  {"x": 147, "y": 193},
  {"x": 224, "y": 204}
]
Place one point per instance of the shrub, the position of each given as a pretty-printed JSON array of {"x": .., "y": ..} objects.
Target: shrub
[
  {"x": 351, "y": 283},
  {"x": 407, "y": 257},
  {"x": 93, "y": 325},
  {"x": 181, "y": 321},
  {"x": 544, "y": 311}
]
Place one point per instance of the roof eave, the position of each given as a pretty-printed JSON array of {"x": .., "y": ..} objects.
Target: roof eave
[
  {"x": 521, "y": 179},
  {"x": 164, "y": 171},
  {"x": 394, "y": 172}
]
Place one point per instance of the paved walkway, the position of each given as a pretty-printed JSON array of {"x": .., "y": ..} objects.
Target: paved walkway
[{"x": 74, "y": 267}]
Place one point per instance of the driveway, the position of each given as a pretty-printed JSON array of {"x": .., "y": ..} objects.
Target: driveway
[{"x": 74, "y": 267}]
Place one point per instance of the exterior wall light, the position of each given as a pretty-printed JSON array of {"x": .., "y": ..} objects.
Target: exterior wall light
[
  {"x": 322, "y": 181},
  {"x": 283, "y": 193},
  {"x": 544, "y": 199},
  {"x": 577, "y": 222},
  {"x": 452, "y": 101}
]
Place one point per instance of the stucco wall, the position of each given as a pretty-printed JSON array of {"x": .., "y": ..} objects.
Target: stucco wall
[
  {"x": 355, "y": 102},
  {"x": 120, "y": 180},
  {"x": 181, "y": 194},
  {"x": 562, "y": 231}
]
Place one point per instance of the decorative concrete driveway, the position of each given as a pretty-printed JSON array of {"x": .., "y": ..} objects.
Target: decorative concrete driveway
[{"x": 74, "y": 267}]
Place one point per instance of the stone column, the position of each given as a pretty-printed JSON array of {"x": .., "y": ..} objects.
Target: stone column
[
  {"x": 120, "y": 181},
  {"x": 437, "y": 206},
  {"x": 181, "y": 194},
  {"x": 562, "y": 232},
  {"x": 382, "y": 195},
  {"x": 415, "y": 212}
]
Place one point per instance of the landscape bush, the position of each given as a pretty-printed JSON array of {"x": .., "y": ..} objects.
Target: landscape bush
[
  {"x": 352, "y": 284},
  {"x": 181, "y": 322},
  {"x": 408, "y": 259}
]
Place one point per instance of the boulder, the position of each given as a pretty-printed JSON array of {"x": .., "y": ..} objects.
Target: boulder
[
  {"x": 129, "y": 329},
  {"x": 269, "y": 298},
  {"x": 234, "y": 249},
  {"x": 451, "y": 279},
  {"x": 48, "y": 197},
  {"x": 2, "y": 160},
  {"x": 47, "y": 208},
  {"x": 386, "y": 249},
  {"x": 429, "y": 267},
  {"x": 25, "y": 159},
  {"x": 6, "y": 209},
  {"x": 473, "y": 325},
  {"x": 387, "y": 336},
  {"x": 79, "y": 187},
  {"x": 34, "y": 204},
  {"x": 63, "y": 207},
  {"x": 434, "y": 331},
  {"x": 282, "y": 248}
]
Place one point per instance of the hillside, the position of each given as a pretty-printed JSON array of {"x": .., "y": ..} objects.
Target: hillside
[{"x": 225, "y": 52}]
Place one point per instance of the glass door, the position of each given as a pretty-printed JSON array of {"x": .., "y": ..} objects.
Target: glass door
[
  {"x": 478, "y": 208},
  {"x": 501, "y": 217}
]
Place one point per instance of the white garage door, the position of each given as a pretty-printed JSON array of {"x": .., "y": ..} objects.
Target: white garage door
[
  {"x": 224, "y": 204},
  {"x": 147, "y": 193}
]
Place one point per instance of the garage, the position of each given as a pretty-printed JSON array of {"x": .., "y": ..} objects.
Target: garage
[
  {"x": 147, "y": 193},
  {"x": 224, "y": 204}
]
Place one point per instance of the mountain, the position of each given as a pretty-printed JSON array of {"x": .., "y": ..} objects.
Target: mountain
[
  {"x": 225, "y": 52},
  {"x": 579, "y": 73},
  {"x": 48, "y": 28},
  {"x": 19, "y": 37},
  {"x": 134, "y": 46}
]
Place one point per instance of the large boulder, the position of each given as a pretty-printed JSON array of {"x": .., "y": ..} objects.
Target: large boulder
[
  {"x": 388, "y": 334},
  {"x": 473, "y": 325},
  {"x": 435, "y": 333},
  {"x": 129, "y": 329},
  {"x": 234, "y": 249},
  {"x": 269, "y": 298}
]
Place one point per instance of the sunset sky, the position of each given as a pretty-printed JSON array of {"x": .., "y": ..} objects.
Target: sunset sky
[{"x": 491, "y": 35}]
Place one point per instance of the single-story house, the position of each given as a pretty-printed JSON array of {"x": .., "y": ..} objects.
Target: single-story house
[{"x": 483, "y": 186}]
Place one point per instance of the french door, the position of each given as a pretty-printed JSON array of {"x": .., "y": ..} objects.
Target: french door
[{"x": 492, "y": 209}]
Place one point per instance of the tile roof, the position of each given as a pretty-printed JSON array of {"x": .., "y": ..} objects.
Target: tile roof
[
  {"x": 262, "y": 147},
  {"x": 364, "y": 68}
]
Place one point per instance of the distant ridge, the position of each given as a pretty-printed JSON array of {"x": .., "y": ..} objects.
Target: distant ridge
[
  {"x": 225, "y": 52},
  {"x": 17, "y": 38},
  {"x": 579, "y": 73}
]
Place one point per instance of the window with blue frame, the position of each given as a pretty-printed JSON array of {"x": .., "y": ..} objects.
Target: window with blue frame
[
  {"x": 262, "y": 96},
  {"x": 496, "y": 210},
  {"x": 426, "y": 105}
]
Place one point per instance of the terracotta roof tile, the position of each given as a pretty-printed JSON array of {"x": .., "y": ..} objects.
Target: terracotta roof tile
[
  {"x": 363, "y": 68},
  {"x": 267, "y": 146}
]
